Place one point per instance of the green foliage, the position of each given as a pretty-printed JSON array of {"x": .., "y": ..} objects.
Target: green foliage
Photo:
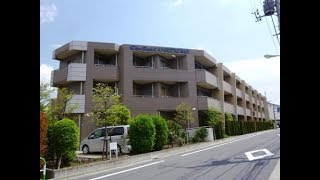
[
  {"x": 218, "y": 129},
  {"x": 45, "y": 92},
  {"x": 63, "y": 139},
  {"x": 103, "y": 97},
  {"x": 175, "y": 133},
  {"x": 119, "y": 113},
  {"x": 59, "y": 107},
  {"x": 200, "y": 135},
  {"x": 142, "y": 134},
  {"x": 228, "y": 117},
  {"x": 233, "y": 128},
  {"x": 183, "y": 114},
  {"x": 214, "y": 116},
  {"x": 161, "y": 132}
]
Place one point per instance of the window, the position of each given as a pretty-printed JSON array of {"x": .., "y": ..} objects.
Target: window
[
  {"x": 96, "y": 134},
  {"x": 116, "y": 131}
]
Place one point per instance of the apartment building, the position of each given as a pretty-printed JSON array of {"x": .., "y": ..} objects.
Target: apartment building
[{"x": 154, "y": 80}]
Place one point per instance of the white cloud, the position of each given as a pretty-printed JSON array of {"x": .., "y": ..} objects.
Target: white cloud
[
  {"x": 45, "y": 76},
  {"x": 45, "y": 73},
  {"x": 48, "y": 11},
  {"x": 262, "y": 74}
]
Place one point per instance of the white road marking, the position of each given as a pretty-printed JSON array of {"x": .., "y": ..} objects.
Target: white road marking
[
  {"x": 218, "y": 145},
  {"x": 251, "y": 157},
  {"x": 108, "y": 175},
  {"x": 278, "y": 134}
]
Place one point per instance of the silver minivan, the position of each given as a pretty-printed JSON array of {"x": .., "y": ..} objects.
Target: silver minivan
[{"x": 94, "y": 142}]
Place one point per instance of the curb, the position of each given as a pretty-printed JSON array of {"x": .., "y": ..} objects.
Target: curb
[{"x": 275, "y": 175}]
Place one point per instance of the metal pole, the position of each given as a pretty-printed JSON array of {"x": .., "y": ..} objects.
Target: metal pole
[
  {"x": 44, "y": 168},
  {"x": 277, "y": 4}
]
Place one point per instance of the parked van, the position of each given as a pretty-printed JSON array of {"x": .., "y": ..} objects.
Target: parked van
[{"x": 94, "y": 142}]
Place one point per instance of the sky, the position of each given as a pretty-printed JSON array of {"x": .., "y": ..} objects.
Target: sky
[{"x": 226, "y": 29}]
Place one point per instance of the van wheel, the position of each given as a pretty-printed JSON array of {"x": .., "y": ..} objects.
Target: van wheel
[{"x": 85, "y": 149}]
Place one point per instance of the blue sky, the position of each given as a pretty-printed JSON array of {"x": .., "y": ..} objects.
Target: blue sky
[{"x": 224, "y": 28}]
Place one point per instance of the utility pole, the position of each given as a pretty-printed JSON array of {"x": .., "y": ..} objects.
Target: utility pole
[
  {"x": 277, "y": 5},
  {"x": 269, "y": 9}
]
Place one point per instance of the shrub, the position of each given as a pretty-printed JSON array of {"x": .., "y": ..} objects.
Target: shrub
[
  {"x": 64, "y": 138},
  {"x": 142, "y": 134},
  {"x": 43, "y": 134},
  {"x": 162, "y": 131},
  {"x": 175, "y": 133},
  {"x": 228, "y": 117},
  {"x": 200, "y": 135}
]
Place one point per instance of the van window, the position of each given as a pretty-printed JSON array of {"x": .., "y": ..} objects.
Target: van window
[
  {"x": 116, "y": 131},
  {"x": 96, "y": 134}
]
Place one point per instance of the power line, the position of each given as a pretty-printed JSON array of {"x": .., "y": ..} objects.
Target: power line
[
  {"x": 275, "y": 30},
  {"x": 274, "y": 44}
]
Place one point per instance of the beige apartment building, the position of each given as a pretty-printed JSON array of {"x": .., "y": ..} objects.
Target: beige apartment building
[{"x": 154, "y": 80}]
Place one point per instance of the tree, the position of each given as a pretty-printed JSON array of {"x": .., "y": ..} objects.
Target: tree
[
  {"x": 59, "y": 107},
  {"x": 215, "y": 120},
  {"x": 65, "y": 137},
  {"x": 105, "y": 103},
  {"x": 45, "y": 92},
  {"x": 183, "y": 114},
  {"x": 121, "y": 112}
]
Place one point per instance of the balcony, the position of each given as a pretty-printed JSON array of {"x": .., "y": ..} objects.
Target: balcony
[
  {"x": 106, "y": 72},
  {"x": 228, "y": 107},
  {"x": 263, "y": 116},
  {"x": 205, "y": 102},
  {"x": 247, "y": 97},
  {"x": 259, "y": 115},
  {"x": 205, "y": 77},
  {"x": 253, "y": 100},
  {"x": 76, "y": 104},
  {"x": 248, "y": 112},
  {"x": 227, "y": 87},
  {"x": 72, "y": 72},
  {"x": 240, "y": 110},
  {"x": 238, "y": 92},
  {"x": 164, "y": 103},
  {"x": 160, "y": 74}
]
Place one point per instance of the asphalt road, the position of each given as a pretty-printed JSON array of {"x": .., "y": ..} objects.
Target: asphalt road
[{"x": 223, "y": 161}]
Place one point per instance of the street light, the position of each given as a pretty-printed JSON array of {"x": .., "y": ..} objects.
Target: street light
[{"x": 270, "y": 56}]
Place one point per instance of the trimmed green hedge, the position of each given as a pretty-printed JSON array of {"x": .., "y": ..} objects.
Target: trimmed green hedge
[
  {"x": 142, "y": 134},
  {"x": 162, "y": 131},
  {"x": 234, "y": 128}
]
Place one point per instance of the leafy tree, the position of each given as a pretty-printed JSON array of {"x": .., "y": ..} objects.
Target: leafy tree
[
  {"x": 228, "y": 117},
  {"x": 45, "y": 92},
  {"x": 142, "y": 134},
  {"x": 65, "y": 140},
  {"x": 175, "y": 135},
  {"x": 59, "y": 107},
  {"x": 161, "y": 132},
  {"x": 121, "y": 112},
  {"x": 106, "y": 104},
  {"x": 215, "y": 121},
  {"x": 183, "y": 114}
]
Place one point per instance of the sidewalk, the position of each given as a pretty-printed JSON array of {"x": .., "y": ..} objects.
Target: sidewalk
[
  {"x": 128, "y": 160},
  {"x": 275, "y": 175}
]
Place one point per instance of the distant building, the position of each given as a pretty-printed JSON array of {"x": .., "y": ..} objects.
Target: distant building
[{"x": 274, "y": 112}]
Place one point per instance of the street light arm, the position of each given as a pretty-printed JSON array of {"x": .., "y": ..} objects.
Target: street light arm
[{"x": 270, "y": 56}]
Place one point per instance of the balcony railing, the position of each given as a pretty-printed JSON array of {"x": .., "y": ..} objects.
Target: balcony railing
[
  {"x": 205, "y": 76},
  {"x": 72, "y": 72},
  {"x": 247, "y": 97},
  {"x": 238, "y": 92},
  {"x": 204, "y": 102},
  {"x": 228, "y": 107},
  {"x": 248, "y": 112},
  {"x": 227, "y": 87},
  {"x": 240, "y": 110}
]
